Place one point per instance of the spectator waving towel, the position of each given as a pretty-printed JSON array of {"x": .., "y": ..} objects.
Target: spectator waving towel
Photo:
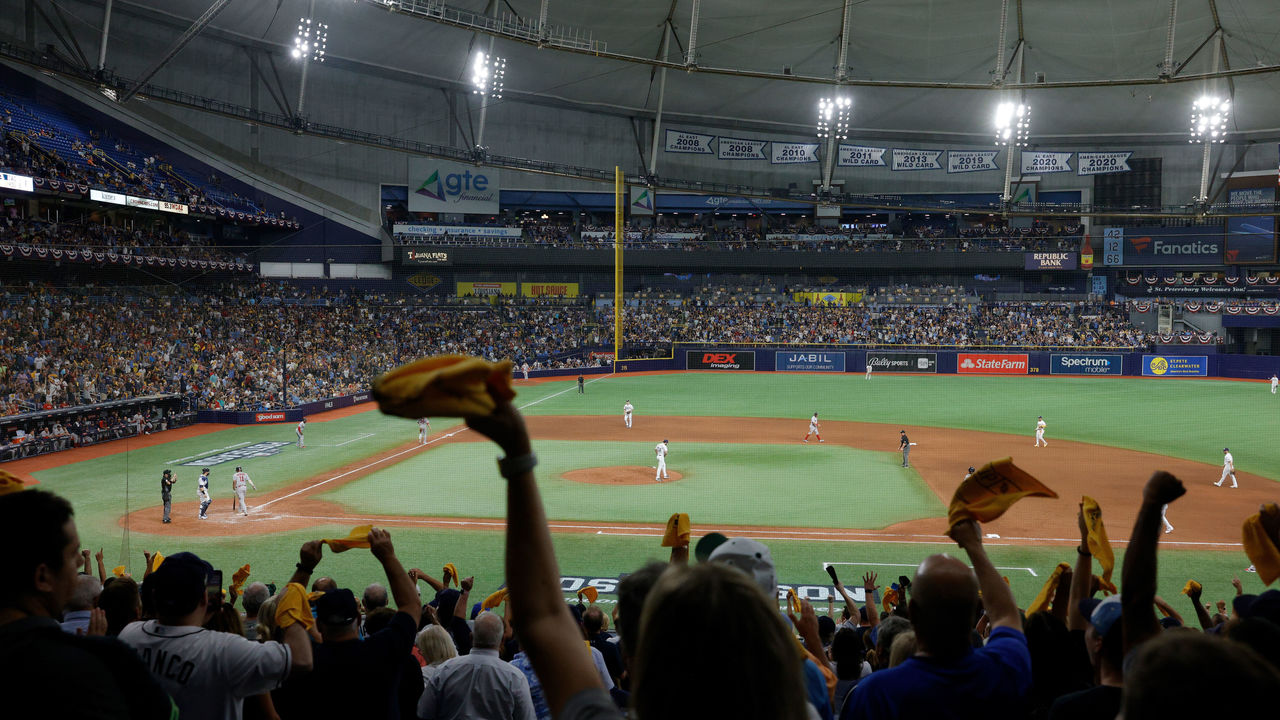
[
  {"x": 359, "y": 538},
  {"x": 986, "y": 494},
  {"x": 1099, "y": 545}
]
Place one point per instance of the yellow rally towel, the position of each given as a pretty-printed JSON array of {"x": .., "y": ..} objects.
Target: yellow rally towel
[
  {"x": 293, "y": 608},
  {"x": 1099, "y": 545},
  {"x": 890, "y": 597},
  {"x": 314, "y": 595},
  {"x": 443, "y": 385},
  {"x": 1050, "y": 587},
  {"x": 677, "y": 530},
  {"x": 589, "y": 593},
  {"x": 1260, "y": 544},
  {"x": 359, "y": 538},
  {"x": 450, "y": 574},
  {"x": 10, "y": 483},
  {"x": 238, "y": 578},
  {"x": 1106, "y": 585},
  {"x": 118, "y": 571},
  {"x": 793, "y": 601},
  {"x": 986, "y": 494},
  {"x": 496, "y": 599},
  {"x": 156, "y": 560},
  {"x": 1191, "y": 587}
]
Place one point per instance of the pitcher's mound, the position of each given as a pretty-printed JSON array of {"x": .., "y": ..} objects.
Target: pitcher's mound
[{"x": 618, "y": 475}]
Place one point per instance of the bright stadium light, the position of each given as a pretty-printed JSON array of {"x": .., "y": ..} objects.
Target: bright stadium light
[
  {"x": 1013, "y": 124},
  {"x": 488, "y": 75},
  {"x": 833, "y": 117},
  {"x": 310, "y": 41},
  {"x": 1209, "y": 119}
]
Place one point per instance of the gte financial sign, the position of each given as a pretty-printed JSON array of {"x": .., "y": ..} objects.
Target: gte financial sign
[{"x": 443, "y": 186}]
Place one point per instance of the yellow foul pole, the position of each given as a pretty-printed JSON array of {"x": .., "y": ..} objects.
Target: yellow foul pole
[{"x": 617, "y": 266}]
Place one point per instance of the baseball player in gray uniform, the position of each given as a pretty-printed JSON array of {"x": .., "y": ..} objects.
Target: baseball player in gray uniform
[{"x": 238, "y": 481}]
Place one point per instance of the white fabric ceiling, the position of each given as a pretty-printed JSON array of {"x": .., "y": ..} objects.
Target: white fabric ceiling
[{"x": 899, "y": 40}]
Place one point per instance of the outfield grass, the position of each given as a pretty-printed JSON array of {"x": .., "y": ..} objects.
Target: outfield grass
[
  {"x": 723, "y": 483},
  {"x": 1192, "y": 419}
]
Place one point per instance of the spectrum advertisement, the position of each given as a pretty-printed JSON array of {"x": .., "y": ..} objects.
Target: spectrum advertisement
[{"x": 1086, "y": 364}]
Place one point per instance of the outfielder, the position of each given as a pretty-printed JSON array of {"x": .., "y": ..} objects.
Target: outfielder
[
  {"x": 202, "y": 492},
  {"x": 626, "y": 413},
  {"x": 868, "y": 369},
  {"x": 238, "y": 481},
  {"x": 1228, "y": 468},
  {"x": 302, "y": 426},
  {"x": 661, "y": 450},
  {"x": 1274, "y": 382},
  {"x": 424, "y": 426},
  {"x": 1040, "y": 432},
  {"x": 1168, "y": 526},
  {"x": 813, "y": 428}
]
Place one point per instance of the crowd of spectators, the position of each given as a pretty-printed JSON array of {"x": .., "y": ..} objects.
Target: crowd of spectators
[
  {"x": 103, "y": 238},
  {"x": 951, "y": 641},
  {"x": 25, "y": 437}
]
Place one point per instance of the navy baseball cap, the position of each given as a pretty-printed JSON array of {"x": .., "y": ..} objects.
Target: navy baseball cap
[
  {"x": 1103, "y": 614},
  {"x": 177, "y": 585},
  {"x": 1266, "y": 605},
  {"x": 337, "y": 607}
]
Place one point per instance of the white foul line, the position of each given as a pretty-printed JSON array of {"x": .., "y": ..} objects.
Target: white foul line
[
  {"x": 210, "y": 452},
  {"x": 461, "y": 429},
  {"x": 872, "y": 564},
  {"x": 348, "y": 442}
]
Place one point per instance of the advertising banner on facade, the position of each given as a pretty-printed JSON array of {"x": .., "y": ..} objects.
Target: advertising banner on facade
[
  {"x": 488, "y": 231},
  {"x": 21, "y": 183},
  {"x": 1184, "y": 246},
  {"x": 411, "y": 256},
  {"x": 828, "y": 298},
  {"x": 1252, "y": 239},
  {"x": 810, "y": 361},
  {"x": 1175, "y": 365},
  {"x": 991, "y": 364},
  {"x": 1086, "y": 364},
  {"x": 641, "y": 200},
  {"x": 486, "y": 289},
  {"x": 902, "y": 362},
  {"x": 720, "y": 359},
  {"x": 451, "y": 187},
  {"x": 568, "y": 290},
  {"x": 1050, "y": 261}
]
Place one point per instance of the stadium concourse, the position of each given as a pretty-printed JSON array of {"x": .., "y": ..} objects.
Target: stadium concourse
[{"x": 927, "y": 229}]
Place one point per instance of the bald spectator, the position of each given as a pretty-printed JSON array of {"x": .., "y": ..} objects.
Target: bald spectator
[
  {"x": 84, "y": 598},
  {"x": 478, "y": 685},
  {"x": 948, "y": 677},
  {"x": 373, "y": 597},
  {"x": 255, "y": 594}
]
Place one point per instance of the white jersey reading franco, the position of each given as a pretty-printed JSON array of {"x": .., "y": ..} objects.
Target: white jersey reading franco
[
  {"x": 661, "y": 450},
  {"x": 207, "y": 673}
]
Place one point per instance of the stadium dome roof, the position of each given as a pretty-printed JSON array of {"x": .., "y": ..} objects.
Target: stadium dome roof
[{"x": 746, "y": 49}]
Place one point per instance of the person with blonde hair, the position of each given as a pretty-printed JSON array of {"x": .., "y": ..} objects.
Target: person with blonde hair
[{"x": 436, "y": 646}]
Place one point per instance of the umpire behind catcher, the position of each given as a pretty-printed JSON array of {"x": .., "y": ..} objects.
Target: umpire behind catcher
[{"x": 166, "y": 486}]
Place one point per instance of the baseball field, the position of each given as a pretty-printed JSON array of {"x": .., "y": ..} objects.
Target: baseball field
[{"x": 737, "y": 466}]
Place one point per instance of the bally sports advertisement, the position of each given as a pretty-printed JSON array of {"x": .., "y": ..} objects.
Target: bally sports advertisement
[{"x": 903, "y": 362}]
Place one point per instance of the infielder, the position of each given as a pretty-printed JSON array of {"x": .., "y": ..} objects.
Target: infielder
[
  {"x": 1040, "y": 432},
  {"x": 1228, "y": 468},
  {"x": 424, "y": 427},
  {"x": 1274, "y": 382},
  {"x": 166, "y": 494},
  {"x": 238, "y": 481},
  {"x": 626, "y": 413},
  {"x": 202, "y": 492},
  {"x": 302, "y": 426},
  {"x": 868, "y": 369},
  {"x": 661, "y": 450},
  {"x": 904, "y": 444},
  {"x": 813, "y": 428},
  {"x": 1168, "y": 526}
]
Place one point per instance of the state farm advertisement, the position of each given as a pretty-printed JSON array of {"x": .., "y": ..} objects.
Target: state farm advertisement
[
  {"x": 991, "y": 364},
  {"x": 720, "y": 359}
]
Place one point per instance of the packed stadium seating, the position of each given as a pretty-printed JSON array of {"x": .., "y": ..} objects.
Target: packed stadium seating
[{"x": 103, "y": 238}]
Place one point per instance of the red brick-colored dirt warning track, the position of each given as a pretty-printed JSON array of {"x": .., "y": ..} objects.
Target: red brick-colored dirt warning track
[{"x": 1207, "y": 517}]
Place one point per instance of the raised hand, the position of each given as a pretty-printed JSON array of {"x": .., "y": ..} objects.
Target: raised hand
[
  {"x": 869, "y": 582},
  {"x": 1162, "y": 488}
]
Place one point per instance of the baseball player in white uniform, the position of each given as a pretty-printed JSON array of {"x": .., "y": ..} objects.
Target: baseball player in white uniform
[
  {"x": 1040, "y": 432},
  {"x": 1168, "y": 526},
  {"x": 302, "y": 426},
  {"x": 424, "y": 427},
  {"x": 1275, "y": 381},
  {"x": 202, "y": 492},
  {"x": 868, "y": 370},
  {"x": 813, "y": 428},
  {"x": 626, "y": 413},
  {"x": 238, "y": 481},
  {"x": 1228, "y": 468},
  {"x": 661, "y": 450},
  {"x": 525, "y": 369}
]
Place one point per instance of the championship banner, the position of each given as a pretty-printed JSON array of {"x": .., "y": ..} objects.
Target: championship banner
[
  {"x": 687, "y": 142},
  {"x": 738, "y": 149},
  {"x": 1044, "y": 163},
  {"x": 963, "y": 161},
  {"x": 789, "y": 153},
  {"x": 828, "y": 298},
  {"x": 1175, "y": 365},
  {"x": 452, "y": 187},
  {"x": 916, "y": 159},
  {"x": 568, "y": 290},
  {"x": 486, "y": 289},
  {"x": 809, "y": 361},
  {"x": 641, "y": 199},
  {"x": 860, "y": 156},
  {"x": 1102, "y": 163}
]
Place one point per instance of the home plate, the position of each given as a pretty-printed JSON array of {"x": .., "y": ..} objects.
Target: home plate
[{"x": 991, "y": 536}]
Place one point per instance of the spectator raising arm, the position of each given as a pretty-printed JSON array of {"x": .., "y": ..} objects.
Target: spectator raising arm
[
  {"x": 1081, "y": 577},
  {"x": 869, "y": 595},
  {"x": 402, "y": 589},
  {"x": 546, "y": 629},
  {"x": 1202, "y": 613},
  {"x": 1138, "y": 579},
  {"x": 997, "y": 597},
  {"x": 102, "y": 568}
]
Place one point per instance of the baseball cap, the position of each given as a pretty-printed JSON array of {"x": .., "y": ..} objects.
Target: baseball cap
[
  {"x": 1265, "y": 606},
  {"x": 337, "y": 607},
  {"x": 177, "y": 585},
  {"x": 1103, "y": 614},
  {"x": 1169, "y": 622},
  {"x": 753, "y": 558},
  {"x": 707, "y": 544},
  {"x": 1226, "y": 449}
]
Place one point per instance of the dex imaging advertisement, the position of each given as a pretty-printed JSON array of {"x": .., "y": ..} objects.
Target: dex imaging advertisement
[{"x": 720, "y": 359}]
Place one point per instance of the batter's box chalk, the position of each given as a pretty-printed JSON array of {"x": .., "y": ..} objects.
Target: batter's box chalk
[{"x": 991, "y": 536}]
